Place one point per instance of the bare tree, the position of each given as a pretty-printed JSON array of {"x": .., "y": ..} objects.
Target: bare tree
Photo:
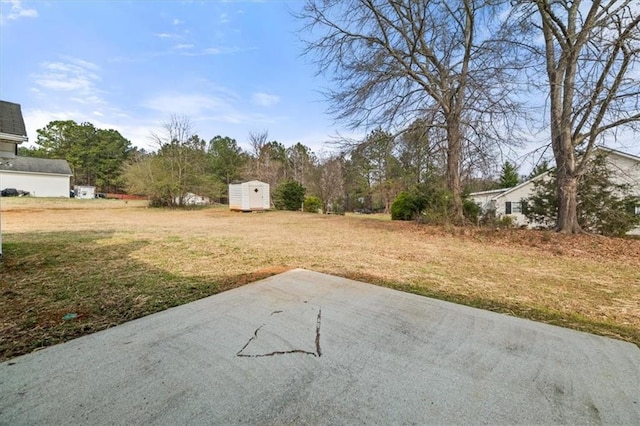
[
  {"x": 257, "y": 140},
  {"x": 300, "y": 161},
  {"x": 268, "y": 161},
  {"x": 591, "y": 56},
  {"x": 178, "y": 166},
  {"x": 394, "y": 61},
  {"x": 327, "y": 181}
]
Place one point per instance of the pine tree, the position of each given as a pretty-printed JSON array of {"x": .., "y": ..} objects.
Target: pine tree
[{"x": 509, "y": 176}]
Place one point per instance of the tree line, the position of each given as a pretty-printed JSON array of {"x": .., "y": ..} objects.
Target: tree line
[{"x": 402, "y": 174}]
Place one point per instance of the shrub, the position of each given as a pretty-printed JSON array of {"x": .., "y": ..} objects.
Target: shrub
[
  {"x": 289, "y": 195},
  {"x": 472, "y": 211},
  {"x": 506, "y": 222},
  {"x": 312, "y": 204},
  {"x": 407, "y": 206}
]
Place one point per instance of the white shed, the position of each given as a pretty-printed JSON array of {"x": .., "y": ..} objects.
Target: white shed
[
  {"x": 249, "y": 196},
  {"x": 87, "y": 192}
]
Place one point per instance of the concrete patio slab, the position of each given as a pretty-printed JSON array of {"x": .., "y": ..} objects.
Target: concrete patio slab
[{"x": 309, "y": 348}]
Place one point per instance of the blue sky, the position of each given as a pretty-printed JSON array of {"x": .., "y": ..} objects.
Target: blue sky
[{"x": 231, "y": 66}]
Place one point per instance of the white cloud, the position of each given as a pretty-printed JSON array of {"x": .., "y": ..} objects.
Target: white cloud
[
  {"x": 17, "y": 11},
  {"x": 212, "y": 51},
  {"x": 167, "y": 35},
  {"x": 186, "y": 104},
  {"x": 224, "y": 18},
  {"x": 178, "y": 22},
  {"x": 184, "y": 46},
  {"x": 264, "y": 99},
  {"x": 76, "y": 76},
  {"x": 137, "y": 130}
]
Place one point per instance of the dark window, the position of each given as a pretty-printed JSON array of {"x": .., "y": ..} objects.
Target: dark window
[{"x": 512, "y": 207}]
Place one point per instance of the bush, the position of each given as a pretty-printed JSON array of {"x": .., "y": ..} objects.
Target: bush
[
  {"x": 312, "y": 204},
  {"x": 471, "y": 211},
  {"x": 289, "y": 195},
  {"x": 407, "y": 206},
  {"x": 506, "y": 222}
]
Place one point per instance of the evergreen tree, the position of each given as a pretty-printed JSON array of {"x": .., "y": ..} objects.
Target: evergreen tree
[
  {"x": 289, "y": 195},
  {"x": 509, "y": 176},
  {"x": 604, "y": 207}
]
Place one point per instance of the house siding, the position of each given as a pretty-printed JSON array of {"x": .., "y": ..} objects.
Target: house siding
[
  {"x": 38, "y": 184},
  {"x": 624, "y": 171},
  {"x": 515, "y": 198}
]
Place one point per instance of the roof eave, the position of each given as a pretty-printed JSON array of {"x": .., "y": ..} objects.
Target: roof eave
[{"x": 13, "y": 138}]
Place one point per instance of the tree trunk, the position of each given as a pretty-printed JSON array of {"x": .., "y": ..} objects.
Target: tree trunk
[
  {"x": 454, "y": 153},
  {"x": 567, "y": 204}
]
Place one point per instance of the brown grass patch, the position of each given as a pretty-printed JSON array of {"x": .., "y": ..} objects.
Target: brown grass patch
[{"x": 113, "y": 261}]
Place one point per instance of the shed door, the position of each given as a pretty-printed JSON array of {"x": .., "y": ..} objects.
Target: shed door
[{"x": 255, "y": 196}]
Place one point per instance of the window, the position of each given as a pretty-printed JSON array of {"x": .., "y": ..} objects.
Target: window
[
  {"x": 638, "y": 210},
  {"x": 513, "y": 207}
]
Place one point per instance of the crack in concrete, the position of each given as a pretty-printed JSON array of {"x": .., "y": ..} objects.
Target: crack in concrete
[
  {"x": 255, "y": 336},
  {"x": 317, "y": 353}
]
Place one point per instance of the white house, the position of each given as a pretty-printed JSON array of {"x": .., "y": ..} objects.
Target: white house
[
  {"x": 507, "y": 201},
  {"x": 191, "y": 199},
  {"x": 624, "y": 169},
  {"x": 12, "y": 133},
  {"x": 41, "y": 177},
  {"x": 249, "y": 196},
  {"x": 12, "y": 130}
]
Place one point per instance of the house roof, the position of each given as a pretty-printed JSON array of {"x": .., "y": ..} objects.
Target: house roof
[
  {"x": 506, "y": 191},
  {"x": 36, "y": 165},
  {"x": 491, "y": 191},
  {"x": 620, "y": 153},
  {"x": 248, "y": 181},
  {"x": 11, "y": 121}
]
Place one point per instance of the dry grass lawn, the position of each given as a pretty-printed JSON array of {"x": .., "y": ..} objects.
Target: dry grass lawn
[{"x": 109, "y": 261}]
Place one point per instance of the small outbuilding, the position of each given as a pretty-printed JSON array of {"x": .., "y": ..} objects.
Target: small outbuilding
[
  {"x": 86, "y": 192},
  {"x": 249, "y": 196}
]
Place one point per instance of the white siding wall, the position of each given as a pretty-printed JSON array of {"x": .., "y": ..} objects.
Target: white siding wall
[
  {"x": 514, "y": 197},
  {"x": 626, "y": 171},
  {"x": 485, "y": 199},
  {"x": 38, "y": 184},
  {"x": 236, "y": 198}
]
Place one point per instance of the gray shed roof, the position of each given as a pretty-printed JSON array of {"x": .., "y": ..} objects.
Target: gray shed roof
[
  {"x": 36, "y": 165},
  {"x": 11, "y": 121}
]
